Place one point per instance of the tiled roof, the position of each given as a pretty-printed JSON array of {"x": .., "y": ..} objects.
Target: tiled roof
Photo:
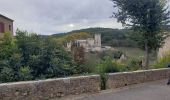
[{"x": 6, "y": 17}]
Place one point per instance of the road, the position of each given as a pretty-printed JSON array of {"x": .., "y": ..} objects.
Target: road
[{"x": 148, "y": 91}]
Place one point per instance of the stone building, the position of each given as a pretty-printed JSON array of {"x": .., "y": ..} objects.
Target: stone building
[
  {"x": 165, "y": 49},
  {"x": 89, "y": 44},
  {"x": 6, "y": 25}
]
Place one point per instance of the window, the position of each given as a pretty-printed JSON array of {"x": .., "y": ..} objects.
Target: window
[
  {"x": 10, "y": 27},
  {"x": 2, "y": 27}
]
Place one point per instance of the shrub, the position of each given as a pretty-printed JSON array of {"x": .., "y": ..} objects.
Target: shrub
[
  {"x": 6, "y": 74},
  {"x": 133, "y": 65},
  {"x": 162, "y": 62},
  {"x": 109, "y": 66},
  {"x": 25, "y": 73}
]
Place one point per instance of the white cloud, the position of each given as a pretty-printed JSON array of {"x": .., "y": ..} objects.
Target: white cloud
[{"x": 55, "y": 16}]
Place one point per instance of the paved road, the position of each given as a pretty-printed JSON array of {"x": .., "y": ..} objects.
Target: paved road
[{"x": 147, "y": 91}]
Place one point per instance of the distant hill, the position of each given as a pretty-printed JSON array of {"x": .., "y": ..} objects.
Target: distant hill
[{"x": 112, "y": 37}]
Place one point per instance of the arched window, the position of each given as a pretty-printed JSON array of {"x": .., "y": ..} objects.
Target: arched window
[{"x": 2, "y": 30}]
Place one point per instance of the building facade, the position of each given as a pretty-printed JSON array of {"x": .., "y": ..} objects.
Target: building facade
[
  {"x": 89, "y": 44},
  {"x": 165, "y": 49},
  {"x": 6, "y": 25}
]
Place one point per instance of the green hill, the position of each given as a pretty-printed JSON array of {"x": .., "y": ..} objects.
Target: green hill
[{"x": 112, "y": 37}]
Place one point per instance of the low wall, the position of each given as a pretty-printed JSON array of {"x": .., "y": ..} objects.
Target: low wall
[
  {"x": 116, "y": 80},
  {"x": 52, "y": 88}
]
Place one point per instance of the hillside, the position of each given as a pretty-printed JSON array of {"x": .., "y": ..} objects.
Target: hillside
[{"x": 112, "y": 37}]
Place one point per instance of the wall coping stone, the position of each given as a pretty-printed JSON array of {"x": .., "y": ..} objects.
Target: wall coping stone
[
  {"x": 138, "y": 71},
  {"x": 48, "y": 80}
]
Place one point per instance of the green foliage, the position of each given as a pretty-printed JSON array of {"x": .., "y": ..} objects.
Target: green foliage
[
  {"x": 133, "y": 65},
  {"x": 25, "y": 74},
  {"x": 103, "y": 79},
  {"x": 162, "y": 62},
  {"x": 71, "y": 37},
  {"x": 6, "y": 74},
  {"x": 79, "y": 59},
  {"x": 7, "y": 46},
  {"x": 115, "y": 54},
  {"x": 30, "y": 56},
  {"x": 147, "y": 18},
  {"x": 132, "y": 53},
  {"x": 91, "y": 61},
  {"x": 112, "y": 37},
  {"x": 108, "y": 65},
  {"x": 55, "y": 61}
]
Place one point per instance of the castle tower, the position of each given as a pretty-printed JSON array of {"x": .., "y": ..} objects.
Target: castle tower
[{"x": 97, "y": 39}]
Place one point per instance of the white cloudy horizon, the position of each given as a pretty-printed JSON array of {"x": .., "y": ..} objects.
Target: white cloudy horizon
[{"x": 57, "y": 16}]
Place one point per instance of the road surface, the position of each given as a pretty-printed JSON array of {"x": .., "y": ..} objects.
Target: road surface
[{"x": 148, "y": 91}]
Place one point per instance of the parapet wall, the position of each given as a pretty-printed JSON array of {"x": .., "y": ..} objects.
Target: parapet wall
[
  {"x": 117, "y": 80},
  {"x": 53, "y": 88}
]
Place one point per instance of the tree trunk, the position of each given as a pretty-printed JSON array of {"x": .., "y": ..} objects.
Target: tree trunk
[{"x": 146, "y": 55}]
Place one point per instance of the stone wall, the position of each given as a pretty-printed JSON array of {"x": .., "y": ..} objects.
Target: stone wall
[
  {"x": 8, "y": 24},
  {"x": 165, "y": 49},
  {"x": 116, "y": 80},
  {"x": 52, "y": 88}
]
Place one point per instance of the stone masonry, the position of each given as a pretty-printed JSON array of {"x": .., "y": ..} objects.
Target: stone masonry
[
  {"x": 117, "y": 80},
  {"x": 6, "y": 25},
  {"x": 47, "y": 89},
  {"x": 54, "y": 88}
]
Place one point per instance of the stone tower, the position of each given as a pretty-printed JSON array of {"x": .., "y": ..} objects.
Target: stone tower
[{"x": 97, "y": 39}]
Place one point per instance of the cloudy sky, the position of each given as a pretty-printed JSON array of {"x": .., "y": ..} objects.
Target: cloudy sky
[{"x": 55, "y": 16}]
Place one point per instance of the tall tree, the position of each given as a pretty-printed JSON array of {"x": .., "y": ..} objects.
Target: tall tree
[
  {"x": 147, "y": 18},
  {"x": 79, "y": 58}
]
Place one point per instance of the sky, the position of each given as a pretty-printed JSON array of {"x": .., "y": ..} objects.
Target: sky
[{"x": 57, "y": 16}]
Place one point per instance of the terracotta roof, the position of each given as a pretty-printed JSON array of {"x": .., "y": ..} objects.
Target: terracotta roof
[{"x": 6, "y": 17}]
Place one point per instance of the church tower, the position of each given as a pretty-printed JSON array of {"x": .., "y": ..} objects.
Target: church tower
[{"x": 97, "y": 39}]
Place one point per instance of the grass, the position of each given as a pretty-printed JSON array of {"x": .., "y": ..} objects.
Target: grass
[
  {"x": 137, "y": 54},
  {"x": 134, "y": 53}
]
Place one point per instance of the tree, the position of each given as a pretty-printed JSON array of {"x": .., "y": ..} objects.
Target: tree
[
  {"x": 8, "y": 59},
  {"x": 79, "y": 59},
  {"x": 147, "y": 18},
  {"x": 55, "y": 61},
  {"x": 42, "y": 57}
]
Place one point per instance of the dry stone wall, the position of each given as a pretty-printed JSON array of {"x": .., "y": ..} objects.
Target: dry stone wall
[
  {"x": 117, "y": 80},
  {"x": 53, "y": 88}
]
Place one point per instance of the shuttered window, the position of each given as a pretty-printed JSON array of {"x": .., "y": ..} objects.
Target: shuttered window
[{"x": 2, "y": 27}]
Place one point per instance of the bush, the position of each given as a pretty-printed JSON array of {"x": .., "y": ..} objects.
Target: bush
[
  {"x": 133, "y": 65},
  {"x": 25, "y": 73},
  {"x": 110, "y": 53},
  {"x": 162, "y": 62},
  {"x": 30, "y": 56},
  {"x": 109, "y": 66},
  {"x": 6, "y": 75}
]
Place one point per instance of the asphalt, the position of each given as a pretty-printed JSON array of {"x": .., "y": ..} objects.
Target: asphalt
[{"x": 148, "y": 91}]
